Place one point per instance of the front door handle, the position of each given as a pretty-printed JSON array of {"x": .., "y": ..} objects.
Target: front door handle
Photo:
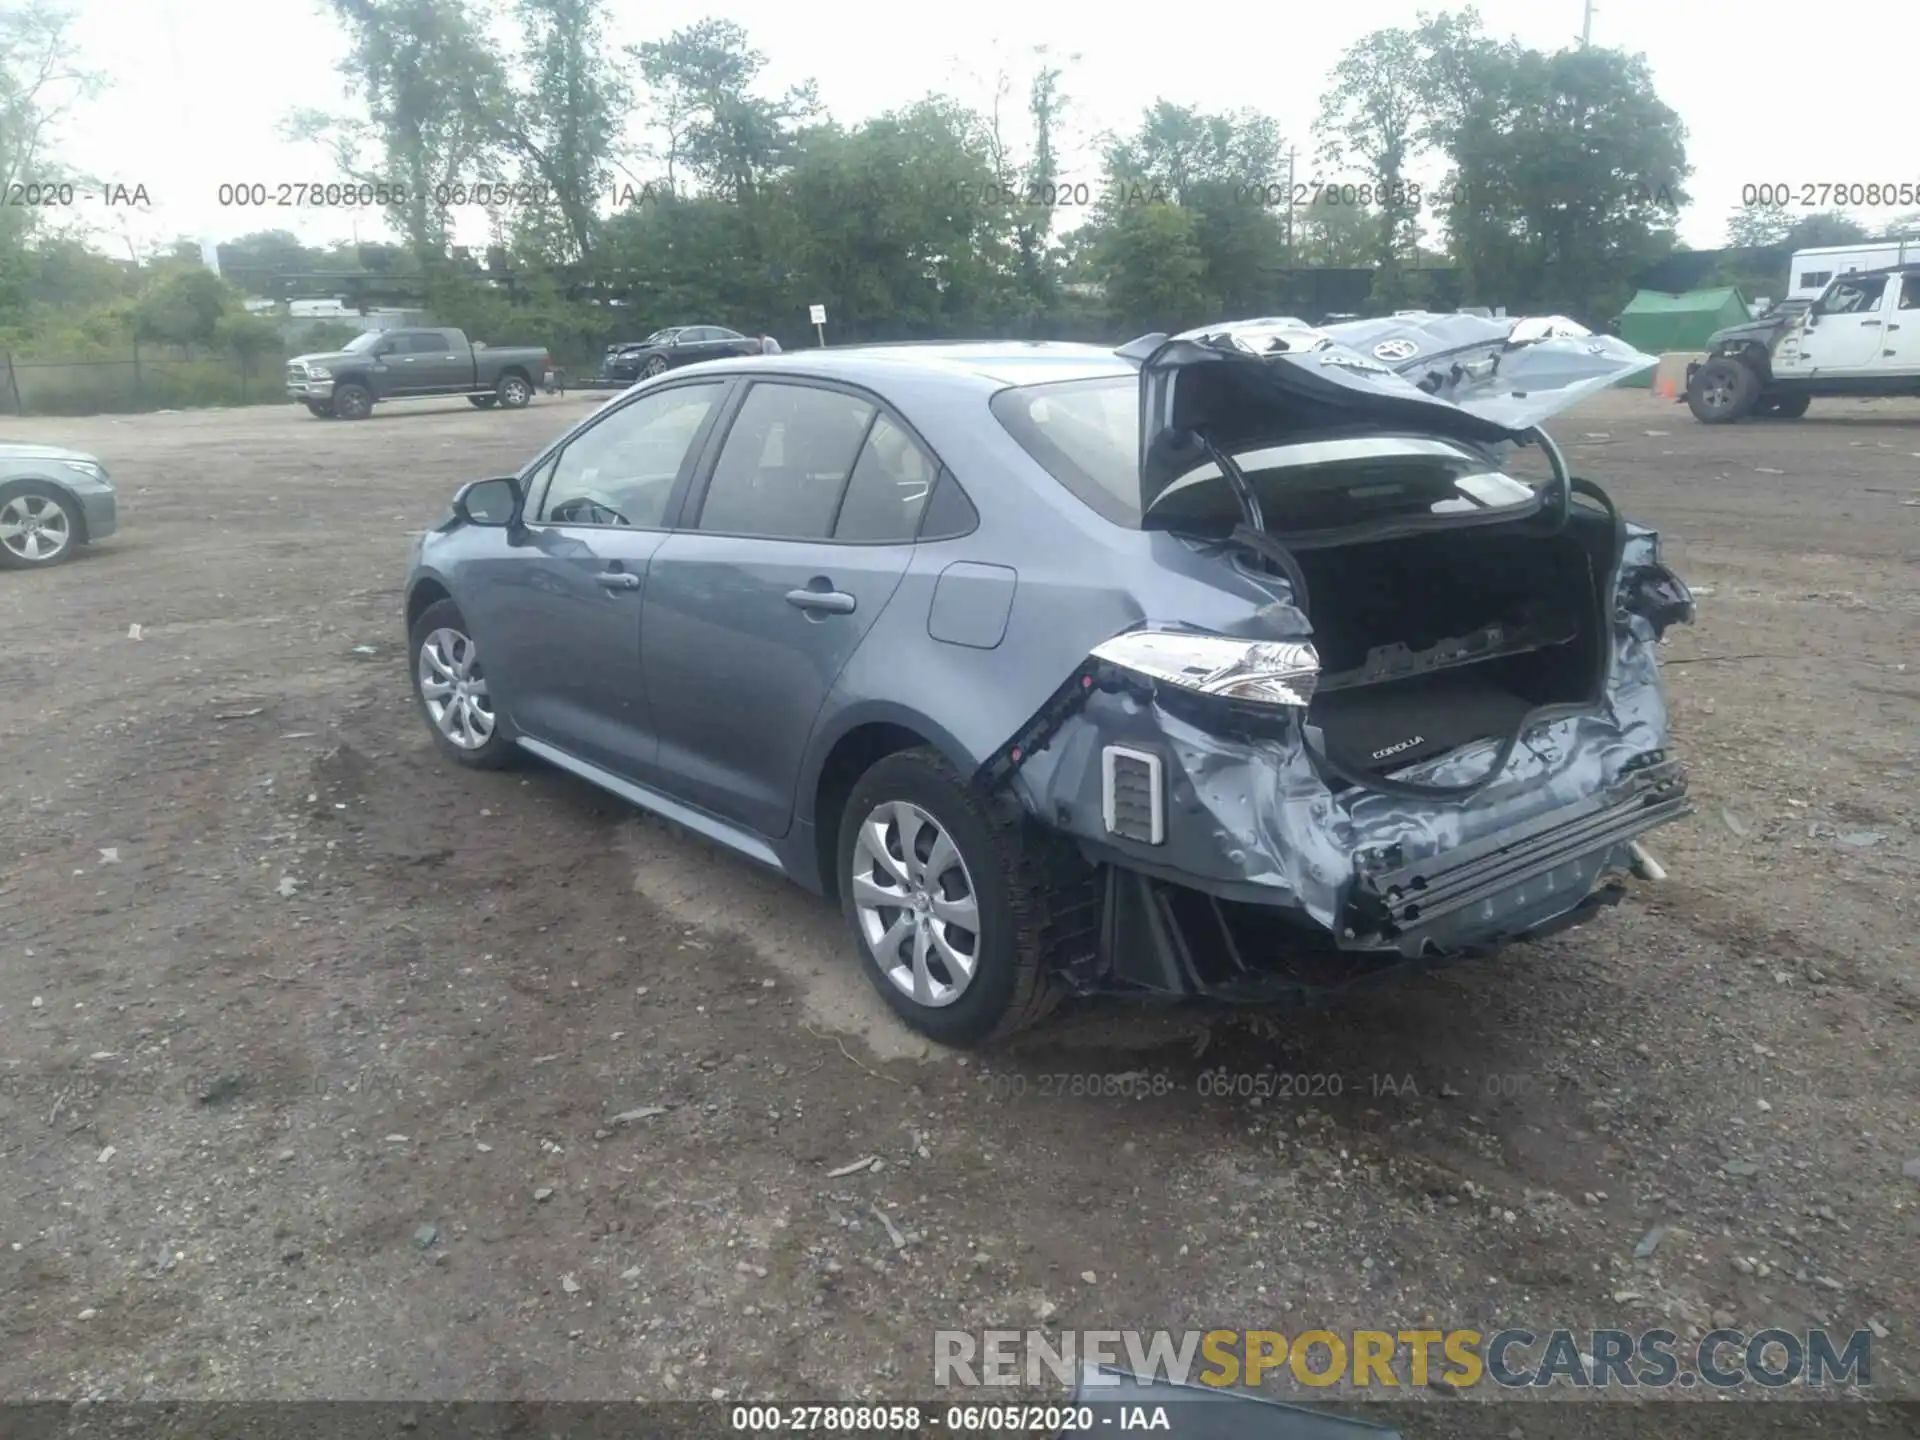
[
  {"x": 618, "y": 579},
  {"x": 826, "y": 602},
  {"x": 1869, "y": 324}
]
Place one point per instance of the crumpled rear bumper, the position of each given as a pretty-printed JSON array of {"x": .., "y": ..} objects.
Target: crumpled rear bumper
[
  {"x": 1268, "y": 884},
  {"x": 1508, "y": 883}
]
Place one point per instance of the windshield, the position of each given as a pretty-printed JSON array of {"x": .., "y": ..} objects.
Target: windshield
[
  {"x": 364, "y": 341},
  {"x": 1086, "y": 434},
  {"x": 660, "y": 337}
]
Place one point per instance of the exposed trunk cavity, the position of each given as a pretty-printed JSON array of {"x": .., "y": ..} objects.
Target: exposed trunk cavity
[{"x": 1435, "y": 641}]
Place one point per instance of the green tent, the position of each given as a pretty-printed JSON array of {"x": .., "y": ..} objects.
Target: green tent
[{"x": 1657, "y": 322}]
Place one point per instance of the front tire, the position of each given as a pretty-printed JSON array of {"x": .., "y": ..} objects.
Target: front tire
[
  {"x": 450, "y": 689},
  {"x": 483, "y": 402},
  {"x": 513, "y": 392},
  {"x": 1722, "y": 392},
  {"x": 960, "y": 915},
  {"x": 352, "y": 402},
  {"x": 39, "y": 527},
  {"x": 656, "y": 366}
]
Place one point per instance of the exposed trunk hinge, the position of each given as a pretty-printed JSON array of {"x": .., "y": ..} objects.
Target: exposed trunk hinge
[{"x": 1251, "y": 533}]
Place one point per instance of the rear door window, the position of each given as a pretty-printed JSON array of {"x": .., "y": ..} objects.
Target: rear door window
[{"x": 888, "y": 489}]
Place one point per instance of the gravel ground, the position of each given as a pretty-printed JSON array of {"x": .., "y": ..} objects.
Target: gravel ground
[{"x": 315, "y": 1053}]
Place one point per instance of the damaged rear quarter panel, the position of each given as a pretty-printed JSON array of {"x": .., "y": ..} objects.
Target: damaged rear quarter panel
[{"x": 1250, "y": 818}]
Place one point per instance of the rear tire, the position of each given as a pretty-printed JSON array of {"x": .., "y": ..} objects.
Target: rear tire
[
  {"x": 1033, "y": 902},
  {"x": 352, "y": 402},
  {"x": 1722, "y": 391},
  {"x": 514, "y": 392},
  {"x": 483, "y": 402},
  {"x": 1784, "y": 407},
  {"x": 442, "y": 653}
]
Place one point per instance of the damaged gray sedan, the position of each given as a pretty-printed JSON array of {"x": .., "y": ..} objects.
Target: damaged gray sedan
[{"x": 1234, "y": 665}]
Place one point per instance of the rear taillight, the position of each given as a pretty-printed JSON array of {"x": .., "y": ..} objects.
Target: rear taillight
[{"x": 1259, "y": 672}]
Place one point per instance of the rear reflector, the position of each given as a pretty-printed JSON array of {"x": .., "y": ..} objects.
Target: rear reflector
[{"x": 1132, "y": 797}]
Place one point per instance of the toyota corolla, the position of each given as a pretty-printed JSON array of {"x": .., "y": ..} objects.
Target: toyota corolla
[{"x": 1236, "y": 664}]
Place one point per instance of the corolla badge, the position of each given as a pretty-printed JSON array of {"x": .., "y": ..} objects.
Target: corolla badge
[{"x": 1396, "y": 350}]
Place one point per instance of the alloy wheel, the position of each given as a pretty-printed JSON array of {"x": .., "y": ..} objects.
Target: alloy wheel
[
  {"x": 916, "y": 904},
  {"x": 1717, "y": 395},
  {"x": 35, "y": 528},
  {"x": 454, "y": 690}
]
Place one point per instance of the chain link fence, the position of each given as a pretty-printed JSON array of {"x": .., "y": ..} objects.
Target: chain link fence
[{"x": 138, "y": 378}]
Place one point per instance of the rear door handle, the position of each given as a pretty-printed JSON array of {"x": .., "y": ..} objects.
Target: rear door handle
[
  {"x": 618, "y": 579},
  {"x": 827, "y": 602}
]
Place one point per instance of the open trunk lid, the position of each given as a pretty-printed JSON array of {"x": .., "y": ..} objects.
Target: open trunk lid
[{"x": 1467, "y": 377}]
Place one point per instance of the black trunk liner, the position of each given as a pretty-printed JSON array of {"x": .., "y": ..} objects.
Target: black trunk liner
[{"x": 1380, "y": 728}]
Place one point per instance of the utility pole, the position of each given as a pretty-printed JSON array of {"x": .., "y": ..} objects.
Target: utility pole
[
  {"x": 1586, "y": 25},
  {"x": 1293, "y": 154}
]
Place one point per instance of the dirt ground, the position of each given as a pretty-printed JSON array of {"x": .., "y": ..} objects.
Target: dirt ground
[{"x": 311, "y": 1047}]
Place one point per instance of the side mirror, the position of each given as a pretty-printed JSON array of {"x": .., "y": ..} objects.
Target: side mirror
[{"x": 491, "y": 503}]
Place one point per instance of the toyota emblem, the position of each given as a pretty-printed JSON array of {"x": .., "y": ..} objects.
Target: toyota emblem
[{"x": 1395, "y": 349}]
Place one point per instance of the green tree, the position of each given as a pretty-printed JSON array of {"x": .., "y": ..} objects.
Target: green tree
[
  {"x": 1177, "y": 147},
  {"x": 716, "y": 130},
  {"x": 1754, "y": 226},
  {"x": 41, "y": 80},
  {"x": 1332, "y": 236},
  {"x": 1155, "y": 270},
  {"x": 1824, "y": 227},
  {"x": 261, "y": 263},
  {"x": 897, "y": 227},
  {"x": 183, "y": 304},
  {"x": 562, "y": 112},
  {"x": 1046, "y": 106},
  {"x": 1567, "y": 178},
  {"x": 433, "y": 90},
  {"x": 247, "y": 336},
  {"x": 1371, "y": 121},
  {"x": 1220, "y": 170}
]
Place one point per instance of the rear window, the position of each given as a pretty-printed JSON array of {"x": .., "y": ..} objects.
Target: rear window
[{"x": 1086, "y": 434}]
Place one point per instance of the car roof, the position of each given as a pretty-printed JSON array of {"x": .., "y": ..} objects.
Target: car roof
[
  {"x": 989, "y": 363},
  {"x": 1912, "y": 267}
]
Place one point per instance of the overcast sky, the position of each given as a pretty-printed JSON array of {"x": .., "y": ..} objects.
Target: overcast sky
[{"x": 197, "y": 89}]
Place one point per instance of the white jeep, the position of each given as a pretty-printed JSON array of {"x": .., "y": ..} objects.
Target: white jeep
[{"x": 1861, "y": 337}]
